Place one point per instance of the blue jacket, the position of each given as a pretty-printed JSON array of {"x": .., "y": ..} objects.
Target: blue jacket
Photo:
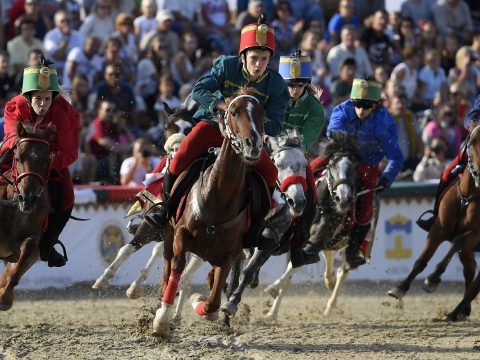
[
  {"x": 227, "y": 76},
  {"x": 377, "y": 136}
]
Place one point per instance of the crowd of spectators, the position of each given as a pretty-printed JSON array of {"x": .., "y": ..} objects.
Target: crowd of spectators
[{"x": 119, "y": 61}]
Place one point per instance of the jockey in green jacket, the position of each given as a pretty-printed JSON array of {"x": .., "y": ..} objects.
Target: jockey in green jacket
[{"x": 305, "y": 113}]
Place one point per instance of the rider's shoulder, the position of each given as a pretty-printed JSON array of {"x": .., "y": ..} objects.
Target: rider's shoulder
[
  {"x": 227, "y": 60},
  {"x": 14, "y": 103}
]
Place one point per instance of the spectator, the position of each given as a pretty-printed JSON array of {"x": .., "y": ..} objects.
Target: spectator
[
  {"x": 460, "y": 104},
  {"x": 146, "y": 22},
  {"x": 7, "y": 82},
  {"x": 84, "y": 169},
  {"x": 464, "y": 72},
  {"x": 268, "y": 7},
  {"x": 342, "y": 87},
  {"x": 381, "y": 75},
  {"x": 405, "y": 74},
  {"x": 432, "y": 78},
  {"x": 417, "y": 10},
  {"x": 80, "y": 93},
  {"x": 19, "y": 47},
  {"x": 187, "y": 65},
  {"x": 250, "y": 15},
  {"x": 84, "y": 60},
  {"x": 364, "y": 9},
  {"x": 155, "y": 63},
  {"x": 59, "y": 41},
  {"x": 287, "y": 29},
  {"x": 42, "y": 21},
  {"x": 32, "y": 60},
  {"x": 428, "y": 37},
  {"x": 347, "y": 49},
  {"x": 445, "y": 126},
  {"x": 214, "y": 22},
  {"x": 73, "y": 8},
  {"x": 135, "y": 168},
  {"x": 166, "y": 95},
  {"x": 114, "y": 54},
  {"x": 164, "y": 29},
  {"x": 311, "y": 45},
  {"x": 100, "y": 22},
  {"x": 128, "y": 49},
  {"x": 433, "y": 161},
  {"x": 376, "y": 41},
  {"x": 406, "y": 37},
  {"x": 344, "y": 16},
  {"x": 453, "y": 17},
  {"x": 123, "y": 139},
  {"x": 408, "y": 138},
  {"x": 449, "y": 51},
  {"x": 183, "y": 92},
  {"x": 118, "y": 92}
]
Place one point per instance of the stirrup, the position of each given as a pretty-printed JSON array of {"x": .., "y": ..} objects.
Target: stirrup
[
  {"x": 55, "y": 259},
  {"x": 426, "y": 224}
]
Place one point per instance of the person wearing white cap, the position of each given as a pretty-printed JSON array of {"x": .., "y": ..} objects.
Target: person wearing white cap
[{"x": 164, "y": 29}]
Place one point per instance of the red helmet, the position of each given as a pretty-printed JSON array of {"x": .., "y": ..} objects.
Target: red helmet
[{"x": 257, "y": 36}]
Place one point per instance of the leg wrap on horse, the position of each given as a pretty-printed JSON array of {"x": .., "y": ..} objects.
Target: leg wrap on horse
[{"x": 171, "y": 290}]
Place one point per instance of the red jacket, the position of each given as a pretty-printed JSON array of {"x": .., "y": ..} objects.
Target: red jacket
[{"x": 64, "y": 150}]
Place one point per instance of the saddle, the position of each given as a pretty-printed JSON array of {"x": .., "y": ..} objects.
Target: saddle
[{"x": 258, "y": 201}]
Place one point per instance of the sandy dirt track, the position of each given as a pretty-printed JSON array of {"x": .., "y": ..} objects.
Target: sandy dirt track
[{"x": 78, "y": 323}]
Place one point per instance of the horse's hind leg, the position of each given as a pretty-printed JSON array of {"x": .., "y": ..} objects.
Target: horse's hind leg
[
  {"x": 235, "y": 275},
  {"x": 469, "y": 296},
  {"x": 258, "y": 259},
  {"x": 431, "y": 244},
  {"x": 282, "y": 286},
  {"x": 135, "y": 290},
  {"x": 329, "y": 274},
  {"x": 342, "y": 274},
  {"x": 13, "y": 272}
]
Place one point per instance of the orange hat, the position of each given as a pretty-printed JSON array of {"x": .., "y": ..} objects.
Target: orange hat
[{"x": 257, "y": 36}]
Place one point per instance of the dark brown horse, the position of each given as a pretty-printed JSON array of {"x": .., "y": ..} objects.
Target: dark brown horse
[
  {"x": 215, "y": 217},
  {"x": 24, "y": 208},
  {"x": 457, "y": 222}
]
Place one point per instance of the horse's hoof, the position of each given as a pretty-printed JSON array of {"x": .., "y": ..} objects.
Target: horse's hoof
[
  {"x": 134, "y": 292},
  {"x": 272, "y": 291},
  {"x": 430, "y": 286},
  {"x": 449, "y": 318},
  {"x": 197, "y": 299},
  {"x": 396, "y": 293},
  {"x": 330, "y": 285},
  {"x": 229, "y": 308},
  {"x": 100, "y": 284},
  {"x": 160, "y": 329}
]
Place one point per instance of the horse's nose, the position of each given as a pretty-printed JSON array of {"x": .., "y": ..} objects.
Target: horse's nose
[{"x": 248, "y": 142}]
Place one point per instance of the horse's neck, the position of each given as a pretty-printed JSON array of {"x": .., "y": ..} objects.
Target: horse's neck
[
  {"x": 467, "y": 184},
  {"x": 228, "y": 173}
]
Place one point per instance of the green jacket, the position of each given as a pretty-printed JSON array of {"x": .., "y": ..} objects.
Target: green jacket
[
  {"x": 226, "y": 77},
  {"x": 306, "y": 114}
]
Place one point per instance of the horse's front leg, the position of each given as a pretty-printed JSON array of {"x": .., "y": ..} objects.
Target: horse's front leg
[
  {"x": 342, "y": 274},
  {"x": 329, "y": 273},
  {"x": 434, "y": 239},
  {"x": 13, "y": 272},
  {"x": 185, "y": 283},
  {"x": 470, "y": 294},
  {"x": 209, "y": 308}
]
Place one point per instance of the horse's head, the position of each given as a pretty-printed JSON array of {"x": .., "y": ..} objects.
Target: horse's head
[
  {"x": 288, "y": 156},
  {"x": 243, "y": 124},
  {"x": 473, "y": 153},
  {"x": 342, "y": 170},
  {"x": 179, "y": 121},
  {"x": 31, "y": 164}
]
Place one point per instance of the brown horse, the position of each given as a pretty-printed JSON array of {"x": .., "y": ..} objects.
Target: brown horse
[
  {"x": 457, "y": 222},
  {"x": 215, "y": 217},
  {"x": 25, "y": 208}
]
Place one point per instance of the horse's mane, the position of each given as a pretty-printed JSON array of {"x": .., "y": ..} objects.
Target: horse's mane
[
  {"x": 339, "y": 141},
  {"x": 44, "y": 132},
  {"x": 290, "y": 138}
]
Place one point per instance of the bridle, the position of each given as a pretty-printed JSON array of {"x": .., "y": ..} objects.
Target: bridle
[
  {"x": 18, "y": 177},
  {"x": 333, "y": 184},
  {"x": 292, "y": 179},
  {"x": 236, "y": 144}
]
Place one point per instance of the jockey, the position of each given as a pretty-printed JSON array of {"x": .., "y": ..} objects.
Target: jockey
[
  {"x": 365, "y": 116},
  {"x": 41, "y": 103},
  {"x": 305, "y": 112},
  {"x": 451, "y": 172},
  {"x": 228, "y": 74}
]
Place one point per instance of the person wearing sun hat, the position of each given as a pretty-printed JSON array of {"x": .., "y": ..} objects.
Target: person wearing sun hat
[
  {"x": 229, "y": 74},
  {"x": 305, "y": 113},
  {"x": 364, "y": 116},
  {"x": 42, "y": 104}
]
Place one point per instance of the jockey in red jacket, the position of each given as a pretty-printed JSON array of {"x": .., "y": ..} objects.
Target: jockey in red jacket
[
  {"x": 229, "y": 73},
  {"x": 41, "y": 103}
]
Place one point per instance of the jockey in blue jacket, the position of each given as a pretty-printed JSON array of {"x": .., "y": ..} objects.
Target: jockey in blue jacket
[{"x": 364, "y": 115}]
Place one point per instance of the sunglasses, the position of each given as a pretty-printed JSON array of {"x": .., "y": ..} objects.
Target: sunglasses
[
  {"x": 363, "y": 104},
  {"x": 295, "y": 84}
]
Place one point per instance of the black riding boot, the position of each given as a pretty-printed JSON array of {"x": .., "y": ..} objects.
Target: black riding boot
[
  {"x": 258, "y": 235},
  {"x": 352, "y": 252},
  {"x": 56, "y": 223},
  {"x": 158, "y": 215},
  {"x": 426, "y": 224}
]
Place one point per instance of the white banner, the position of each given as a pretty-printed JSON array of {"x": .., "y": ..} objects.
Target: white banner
[{"x": 93, "y": 244}]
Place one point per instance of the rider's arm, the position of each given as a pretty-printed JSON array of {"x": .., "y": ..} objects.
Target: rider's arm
[
  {"x": 211, "y": 81},
  {"x": 339, "y": 121},
  {"x": 313, "y": 125},
  {"x": 387, "y": 135},
  {"x": 276, "y": 105},
  {"x": 66, "y": 150},
  {"x": 12, "y": 118}
]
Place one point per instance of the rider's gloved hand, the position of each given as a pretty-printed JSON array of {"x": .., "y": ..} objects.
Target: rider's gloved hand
[{"x": 382, "y": 184}]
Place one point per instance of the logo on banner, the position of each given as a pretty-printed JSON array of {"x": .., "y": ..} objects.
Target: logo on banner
[
  {"x": 398, "y": 230},
  {"x": 111, "y": 240}
]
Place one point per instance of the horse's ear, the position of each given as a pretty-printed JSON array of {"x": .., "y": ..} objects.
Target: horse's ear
[
  {"x": 296, "y": 133},
  {"x": 167, "y": 108},
  {"x": 271, "y": 141}
]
